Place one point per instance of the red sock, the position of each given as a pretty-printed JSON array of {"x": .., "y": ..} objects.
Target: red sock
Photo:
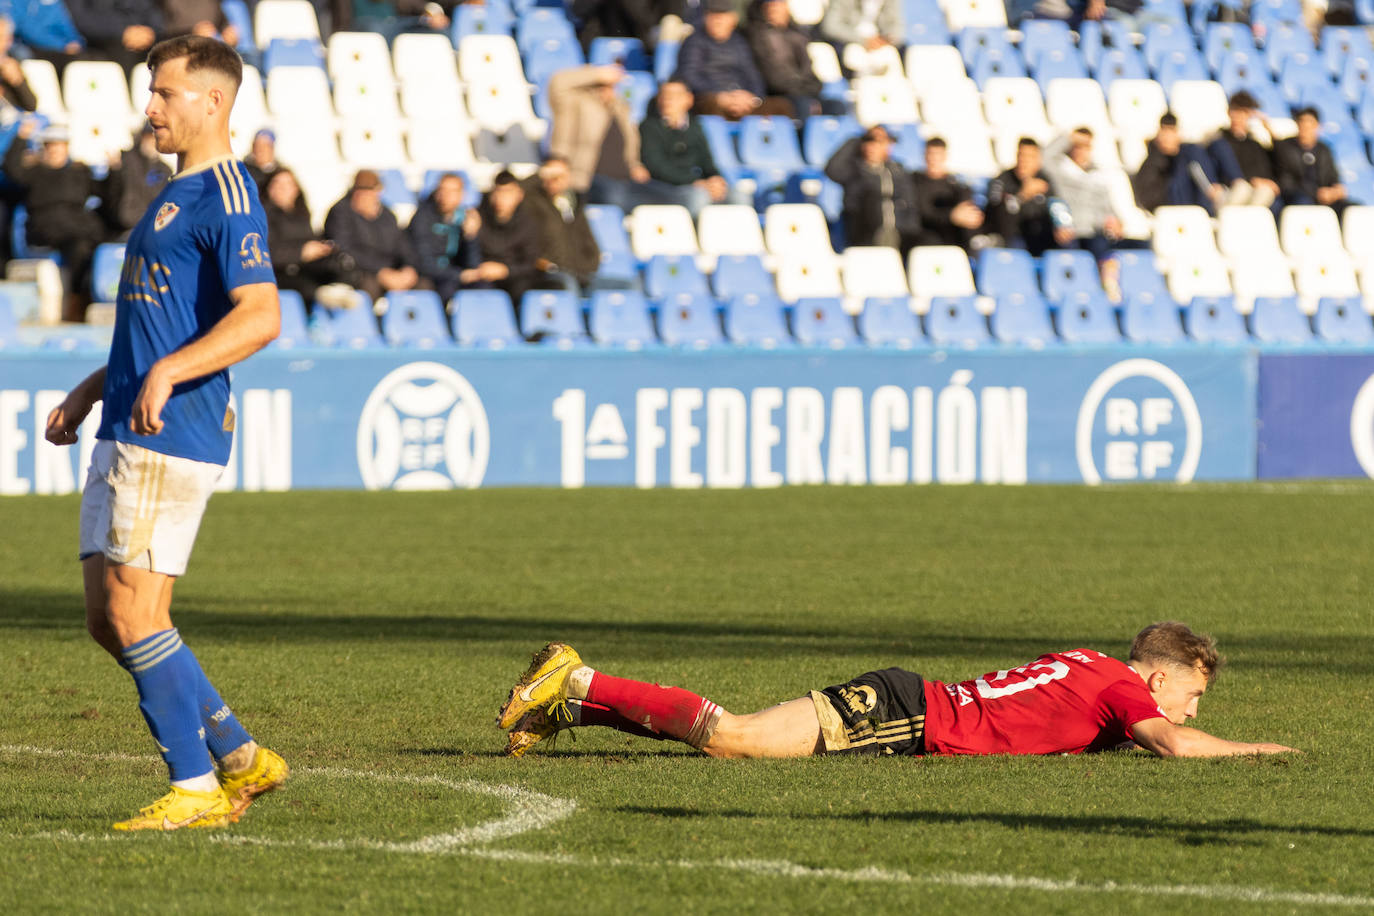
[
  {"x": 669, "y": 711},
  {"x": 596, "y": 714}
]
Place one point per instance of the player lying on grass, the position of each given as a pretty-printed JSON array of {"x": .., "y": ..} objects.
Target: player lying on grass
[{"x": 1061, "y": 703}]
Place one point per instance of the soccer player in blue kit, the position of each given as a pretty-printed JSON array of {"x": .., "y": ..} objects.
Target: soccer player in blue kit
[{"x": 196, "y": 296}]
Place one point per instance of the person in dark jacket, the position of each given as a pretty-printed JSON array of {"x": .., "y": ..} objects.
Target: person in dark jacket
[
  {"x": 56, "y": 189},
  {"x": 779, "y": 48},
  {"x": 362, "y": 228},
  {"x": 301, "y": 260},
  {"x": 444, "y": 234},
  {"x": 197, "y": 17},
  {"x": 1305, "y": 168},
  {"x": 509, "y": 238},
  {"x": 14, "y": 88},
  {"x": 1019, "y": 204},
  {"x": 621, "y": 19},
  {"x": 118, "y": 30},
  {"x": 1244, "y": 157},
  {"x": 261, "y": 160},
  {"x": 879, "y": 198},
  {"x": 135, "y": 179},
  {"x": 948, "y": 214},
  {"x": 673, "y": 148},
  {"x": 1175, "y": 173},
  {"x": 716, "y": 64},
  {"x": 567, "y": 249}
]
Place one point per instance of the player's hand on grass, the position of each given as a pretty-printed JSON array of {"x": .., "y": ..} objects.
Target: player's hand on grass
[
  {"x": 146, "y": 419},
  {"x": 1267, "y": 748}
]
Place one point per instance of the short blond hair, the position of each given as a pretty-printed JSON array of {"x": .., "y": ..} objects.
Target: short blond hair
[{"x": 1173, "y": 643}]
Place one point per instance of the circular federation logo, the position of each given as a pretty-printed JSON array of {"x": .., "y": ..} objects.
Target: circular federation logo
[
  {"x": 1362, "y": 426},
  {"x": 1141, "y": 420},
  {"x": 423, "y": 427}
]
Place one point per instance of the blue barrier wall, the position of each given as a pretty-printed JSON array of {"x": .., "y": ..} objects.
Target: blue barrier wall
[
  {"x": 424, "y": 419},
  {"x": 1316, "y": 416}
]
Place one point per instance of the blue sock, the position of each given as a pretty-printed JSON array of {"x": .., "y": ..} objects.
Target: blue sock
[
  {"x": 223, "y": 733},
  {"x": 166, "y": 674}
]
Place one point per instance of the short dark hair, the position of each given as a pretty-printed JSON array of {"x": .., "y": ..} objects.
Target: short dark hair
[
  {"x": 1173, "y": 643},
  {"x": 201, "y": 53},
  {"x": 504, "y": 177},
  {"x": 447, "y": 175},
  {"x": 937, "y": 143},
  {"x": 1306, "y": 110},
  {"x": 551, "y": 158},
  {"x": 1027, "y": 141},
  {"x": 1168, "y": 119},
  {"x": 1242, "y": 101}
]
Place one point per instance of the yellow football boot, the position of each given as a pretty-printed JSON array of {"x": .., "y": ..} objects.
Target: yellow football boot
[
  {"x": 182, "y": 808},
  {"x": 267, "y": 772},
  {"x": 543, "y": 685},
  {"x": 533, "y": 727}
]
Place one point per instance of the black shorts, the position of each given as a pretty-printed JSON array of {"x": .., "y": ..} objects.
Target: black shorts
[{"x": 881, "y": 712}]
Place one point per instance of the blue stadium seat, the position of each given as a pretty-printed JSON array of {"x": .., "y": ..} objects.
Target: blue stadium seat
[
  {"x": 483, "y": 19},
  {"x": 721, "y": 140},
  {"x": 105, "y": 269},
  {"x": 823, "y": 134},
  {"x": 1097, "y": 36},
  {"x": 616, "y": 270},
  {"x": 1355, "y": 76},
  {"x": 1056, "y": 64},
  {"x": 350, "y": 329},
  {"x": 1340, "y": 43},
  {"x": 1214, "y": 319},
  {"x": 540, "y": 24},
  {"x": 1041, "y": 35},
  {"x": 1164, "y": 38},
  {"x": 1270, "y": 98},
  {"x": 19, "y": 238},
  {"x": 549, "y": 55},
  {"x": 887, "y": 321},
  {"x": 691, "y": 321},
  {"x": 954, "y": 321},
  {"x": 608, "y": 228},
  {"x": 908, "y": 145},
  {"x": 1300, "y": 71},
  {"x": 994, "y": 63},
  {"x": 1139, "y": 273},
  {"x": 925, "y": 24},
  {"x": 1236, "y": 73},
  {"x": 1005, "y": 270},
  {"x": 1227, "y": 39},
  {"x": 415, "y": 318},
  {"x": 821, "y": 322},
  {"x": 1119, "y": 64},
  {"x": 665, "y": 60},
  {"x": 1086, "y": 317},
  {"x": 1150, "y": 319},
  {"x": 756, "y": 321},
  {"x": 1284, "y": 41},
  {"x": 293, "y": 52},
  {"x": 740, "y": 273},
  {"x": 1364, "y": 11},
  {"x": 629, "y": 52},
  {"x": 1181, "y": 65},
  {"x": 1267, "y": 14},
  {"x": 484, "y": 318},
  {"x": 1063, "y": 273},
  {"x": 638, "y": 90},
  {"x": 974, "y": 42},
  {"x": 237, "y": 14},
  {"x": 620, "y": 318},
  {"x": 395, "y": 190},
  {"x": 769, "y": 142},
  {"x": 667, "y": 274},
  {"x": 1023, "y": 318},
  {"x": 295, "y": 330},
  {"x": 553, "y": 318},
  {"x": 1173, "y": 11},
  {"x": 9, "y": 325},
  {"x": 1343, "y": 320},
  {"x": 1277, "y": 320}
]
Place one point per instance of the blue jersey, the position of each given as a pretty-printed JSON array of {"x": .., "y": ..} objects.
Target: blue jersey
[{"x": 203, "y": 236}]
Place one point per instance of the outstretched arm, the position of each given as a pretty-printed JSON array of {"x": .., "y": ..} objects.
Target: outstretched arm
[
  {"x": 66, "y": 418},
  {"x": 252, "y": 323},
  {"x": 1169, "y": 740}
]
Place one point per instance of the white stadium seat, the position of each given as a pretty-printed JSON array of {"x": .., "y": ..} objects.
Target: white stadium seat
[
  {"x": 1014, "y": 104},
  {"x": 359, "y": 55},
  {"x": 825, "y": 63},
  {"x": 661, "y": 229},
  {"x": 42, "y": 79},
  {"x": 1358, "y": 222},
  {"x": 1329, "y": 274},
  {"x": 1200, "y": 106},
  {"x": 884, "y": 100},
  {"x": 1255, "y": 275},
  {"x": 963, "y": 14},
  {"x": 489, "y": 58},
  {"x": 811, "y": 274},
  {"x": 1135, "y": 222},
  {"x": 1074, "y": 103},
  {"x": 96, "y": 135},
  {"x": 970, "y": 151},
  {"x": 795, "y": 227},
  {"x": 1198, "y": 273},
  {"x": 1242, "y": 230},
  {"x": 870, "y": 272},
  {"x": 939, "y": 270},
  {"x": 366, "y": 97},
  {"x": 299, "y": 93},
  {"x": 424, "y": 58},
  {"x": 806, "y": 12},
  {"x": 499, "y": 105},
  {"x": 435, "y": 100},
  {"x": 439, "y": 143},
  {"x": 957, "y": 103},
  {"x": 729, "y": 229},
  {"x": 373, "y": 144},
  {"x": 1135, "y": 107},
  {"x": 930, "y": 68},
  {"x": 1305, "y": 230},
  {"x": 1181, "y": 231},
  {"x": 96, "y": 86},
  {"x": 284, "y": 19}
]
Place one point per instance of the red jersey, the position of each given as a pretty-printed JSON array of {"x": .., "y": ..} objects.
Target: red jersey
[{"x": 1061, "y": 703}]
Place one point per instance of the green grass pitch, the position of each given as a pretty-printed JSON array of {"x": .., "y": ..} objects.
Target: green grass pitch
[{"x": 371, "y": 637}]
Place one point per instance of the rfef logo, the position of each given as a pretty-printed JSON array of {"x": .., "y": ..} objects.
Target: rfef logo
[
  {"x": 423, "y": 427},
  {"x": 1362, "y": 426},
  {"x": 1138, "y": 421}
]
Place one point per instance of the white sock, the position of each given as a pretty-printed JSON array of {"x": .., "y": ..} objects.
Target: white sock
[
  {"x": 204, "y": 783},
  {"x": 579, "y": 682}
]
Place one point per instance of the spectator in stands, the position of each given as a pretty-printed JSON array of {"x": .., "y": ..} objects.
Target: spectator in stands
[
  {"x": 593, "y": 133},
  {"x": 1019, "y": 204},
  {"x": 948, "y": 214},
  {"x": 867, "y": 32},
  {"x": 393, "y": 18},
  {"x": 1236, "y": 152},
  {"x": 1177, "y": 174},
  {"x": 1086, "y": 193},
  {"x": 621, "y": 19},
  {"x": 509, "y": 239},
  {"x": 301, "y": 260},
  {"x": 14, "y": 88},
  {"x": 56, "y": 189},
  {"x": 444, "y": 234},
  {"x": 880, "y": 206},
  {"x": 362, "y": 228},
  {"x": 135, "y": 179},
  {"x": 716, "y": 64},
  {"x": 46, "y": 29},
  {"x": 676, "y": 153},
  {"x": 197, "y": 17},
  {"x": 261, "y": 160},
  {"x": 1305, "y": 168},
  {"x": 568, "y": 252},
  {"x": 118, "y": 30},
  {"x": 779, "y": 47}
]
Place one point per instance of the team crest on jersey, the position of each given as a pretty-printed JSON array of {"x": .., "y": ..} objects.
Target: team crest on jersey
[
  {"x": 253, "y": 252},
  {"x": 165, "y": 214}
]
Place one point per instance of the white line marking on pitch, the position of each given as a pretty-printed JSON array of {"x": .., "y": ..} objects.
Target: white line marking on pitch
[{"x": 532, "y": 810}]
